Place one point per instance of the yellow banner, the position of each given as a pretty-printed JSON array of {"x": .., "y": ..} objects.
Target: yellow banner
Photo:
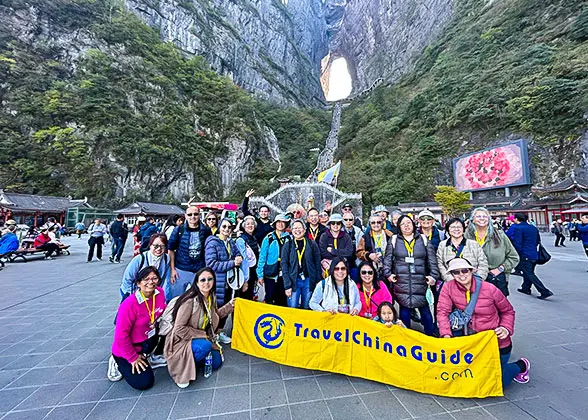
[{"x": 351, "y": 345}]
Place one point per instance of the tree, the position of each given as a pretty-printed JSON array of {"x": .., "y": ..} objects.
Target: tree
[{"x": 453, "y": 202}]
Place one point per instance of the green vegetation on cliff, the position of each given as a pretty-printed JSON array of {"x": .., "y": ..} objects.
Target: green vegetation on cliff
[
  {"x": 129, "y": 107},
  {"x": 504, "y": 66}
]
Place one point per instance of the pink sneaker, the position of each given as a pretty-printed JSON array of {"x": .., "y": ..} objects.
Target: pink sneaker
[{"x": 523, "y": 377}]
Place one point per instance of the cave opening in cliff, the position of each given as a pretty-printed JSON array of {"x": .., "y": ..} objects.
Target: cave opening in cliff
[{"x": 336, "y": 80}]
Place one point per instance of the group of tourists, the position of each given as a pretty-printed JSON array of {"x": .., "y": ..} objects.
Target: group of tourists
[{"x": 177, "y": 293}]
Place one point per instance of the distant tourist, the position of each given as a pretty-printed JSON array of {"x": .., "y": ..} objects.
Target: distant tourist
[
  {"x": 9, "y": 241},
  {"x": 97, "y": 230},
  {"x": 558, "y": 230},
  {"x": 118, "y": 234},
  {"x": 80, "y": 228},
  {"x": 148, "y": 229},
  {"x": 583, "y": 232}
]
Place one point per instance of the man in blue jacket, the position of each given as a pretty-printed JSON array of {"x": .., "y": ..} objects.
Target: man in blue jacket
[
  {"x": 582, "y": 230},
  {"x": 8, "y": 240},
  {"x": 526, "y": 240},
  {"x": 145, "y": 233}
]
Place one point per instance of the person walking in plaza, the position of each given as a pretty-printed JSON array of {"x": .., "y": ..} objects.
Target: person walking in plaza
[
  {"x": 427, "y": 227},
  {"x": 491, "y": 311},
  {"x": 372, "y": 291},
  {"x": 264, "y": 225},
  {"x": 80, "y": 228},
  {"x": 338, "y": 292},
  {"x": 97, "y": 230},
  {"x": 248, "y": 226},
  {"x": 118, "y": 233},
  {"x": 186, "y": 251},
  {"x": 269, "y": 264},
  {"x": 135, "y": 333},
  {"x": 335, "y": 243},
  {"x": 195, "y": 318},
  {"x": 458, "y": 246},
  {"x": 526, "y": 240},
  {"x": 410, "y": 265},
  {"x": 301, "y": 266},
  {"x": 315, "y": 228},
  {"x": 372, "y": 246},
  {"x": 145, "y": 233},
  {"x": 156, "y": 257},
  {"x": 500, "y": 253},
  {"x": 558, "y": 230},
  {"x": 356, "y": 234},
  {"x": 583, "y": 232}
]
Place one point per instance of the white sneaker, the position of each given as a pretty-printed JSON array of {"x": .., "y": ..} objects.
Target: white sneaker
[
  {"x": 48, "y": 258},
  {"x": 184, "y": 385},
  {"x": 157, "y": 361},
  {"x": 113, "y": 374},
  {"x": 224, "y": 339}
]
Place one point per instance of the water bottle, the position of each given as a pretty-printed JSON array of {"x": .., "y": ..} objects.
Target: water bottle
[{"x": 208, "y": 365}]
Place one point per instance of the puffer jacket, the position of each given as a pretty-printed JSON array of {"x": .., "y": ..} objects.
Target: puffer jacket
[
  {"x": 218, "y": 258},
  {"x": 472, "y": 252},
  {"x": 269, "y": 261},
  {"x": 410, "y": 289},
  {"x": 344, "y": 248},
  {"x": 492, "y": 309}
]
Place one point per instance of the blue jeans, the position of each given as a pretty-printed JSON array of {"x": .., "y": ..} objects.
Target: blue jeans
[
  {"x": 301, "y": 296},
  {"x": 426, "y": 318},
  {"x": 509, "y": 370},
  {"x": 200, "y": 348},
  {"x": 118, "y": 245}
]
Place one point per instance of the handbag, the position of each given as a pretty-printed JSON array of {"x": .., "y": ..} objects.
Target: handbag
[
  {"x": 459, "y": 319},
  {"x": 499, "y": 281},
  {"x": 543, "y": 256}
]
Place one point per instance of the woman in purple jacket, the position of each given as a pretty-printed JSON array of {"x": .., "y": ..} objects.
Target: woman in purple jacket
[{"x": 135, "y": 334}]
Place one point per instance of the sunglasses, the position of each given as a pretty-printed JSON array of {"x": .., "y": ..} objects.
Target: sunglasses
[
  {"x": 205, "y": 280},
  {"x": 192, "y": 214},
  {"x": 335, "y": 223},
  {"x": 158, "y": 246},
  {"x": 226, "y": 227},
  {"x": 461, "y": 271},
  {"x": 375, "y": 223},
  {"x": 340, "y": 269},
  {"x": 348, "y": 220},
  {"x": 370, "y": 272},
  {"x": 426, "y": 218},
  {"x": 211, "y": 218}
]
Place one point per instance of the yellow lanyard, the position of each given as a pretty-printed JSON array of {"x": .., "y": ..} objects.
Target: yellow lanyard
[
  {"x": 150, "y": 312},
  {"x": 378, "y": 240},
  {"x": 430, "y": 235},
  {"x": 467, "y": 296},
  {"x": 301, "y": 253},
  {"x": 368, "y": 299},
  {"x": 228, "y": 245},
  {"x": 409, "y": 247},
  {"x": 206, "y": 312},
  {"x": 335, "y": 243},
  {"x": 479, "y": 240},
  {"x": 313, "y": 233},
  {"x": 281, "y": 244}
]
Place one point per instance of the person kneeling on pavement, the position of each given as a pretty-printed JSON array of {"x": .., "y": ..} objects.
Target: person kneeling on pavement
[
  {"x": 135, "y": 334},
  {"x": 195, "y": 319}
]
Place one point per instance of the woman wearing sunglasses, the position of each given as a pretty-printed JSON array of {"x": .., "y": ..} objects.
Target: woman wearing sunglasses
[
  {"x": 372, "y": 246},
  {"x": 337, "y": 293},
  {"x": 212, "y": 222},
  {"x": 492, "y": 311},
  {"x": 372, "y": 292},
  {"x": 499, "y": 251},
  {"x": 195, "y": 318},
  {"x": 155, "y": 257}
]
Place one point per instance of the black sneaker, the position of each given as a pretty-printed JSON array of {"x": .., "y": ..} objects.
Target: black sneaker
[
  {"x": 545, "y": 296},
  {"x": 525, "y": 292},
  {"x": 111, "y": 259}
]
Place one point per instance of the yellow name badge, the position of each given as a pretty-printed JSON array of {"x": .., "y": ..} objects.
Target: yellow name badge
[{"x": 466, "y": 367}]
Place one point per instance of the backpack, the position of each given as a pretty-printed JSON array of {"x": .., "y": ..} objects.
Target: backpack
[
  {"x": 165, "y": 321},
  {"x": 165, "y": 261}
]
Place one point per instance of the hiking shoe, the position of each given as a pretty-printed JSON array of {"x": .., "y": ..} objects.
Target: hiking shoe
[
  {"x": 113, "y": 374},
  {"x": 523, "y": 377},
  {"x": 224, "y": 339},
  {"x": 117, "y": 261},
  {"x": 545, "y": 296},
  {"x": 524, "y": 292},
  {"x": 99, "y": 259},
  {"x": 157, "y": 361},
  {"x": 184, "y": 385}
]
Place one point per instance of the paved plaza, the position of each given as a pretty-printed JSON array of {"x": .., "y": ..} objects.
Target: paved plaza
[{"x": 56, "y": 331}]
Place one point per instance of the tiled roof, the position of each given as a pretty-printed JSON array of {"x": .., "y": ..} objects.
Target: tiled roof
[
  {"x": 142, "y": 207},
  {"x": 42, "y": 203}
]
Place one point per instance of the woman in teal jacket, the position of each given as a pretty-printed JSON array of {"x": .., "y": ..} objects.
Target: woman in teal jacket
[{"x": 269, "y": 267}]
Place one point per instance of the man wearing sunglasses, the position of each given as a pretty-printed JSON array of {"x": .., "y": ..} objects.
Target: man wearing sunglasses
[
  {"x": 348, "y": 209},
  {"x": 335, "y": 243},
  {"x": 372, "y": 246},
  {"x": 427, "y": 227},
  {"x": 186, "y": 249},
  {"x": 264, "y": 225},
  {"x": 355, "y": 233}
]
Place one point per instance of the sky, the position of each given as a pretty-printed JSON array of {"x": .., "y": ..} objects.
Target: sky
[{"x": 339, "y": 80}]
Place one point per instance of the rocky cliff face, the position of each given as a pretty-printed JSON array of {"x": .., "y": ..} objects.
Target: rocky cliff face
[
  {"x": 380, "y": 38},
  {"x": 271, "y": 48}
]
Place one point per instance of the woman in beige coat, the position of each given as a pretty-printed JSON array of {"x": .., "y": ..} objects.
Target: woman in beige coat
[{"x": 195, "y": 318}]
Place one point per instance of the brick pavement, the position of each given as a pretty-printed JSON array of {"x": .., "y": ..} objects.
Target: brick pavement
[{"x": 56, "y": 331}]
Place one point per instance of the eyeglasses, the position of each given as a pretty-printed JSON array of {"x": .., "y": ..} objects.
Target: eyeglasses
[
  {"x": 158, "y": 246},
  {"x": 370, "y": 272},
  {"x": 458, "y": 272},
  {"x": 375, "y": 223},
  {"x": 340, "y": 269},
  {"x": 205, "y": 280},
  {"x": 456, "y": 227},
  {"x": 192, "y": 214},
  {"x": 150, "y": 280}
]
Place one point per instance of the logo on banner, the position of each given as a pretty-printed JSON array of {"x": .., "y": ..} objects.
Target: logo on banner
[{"x": 269, "y": 331}]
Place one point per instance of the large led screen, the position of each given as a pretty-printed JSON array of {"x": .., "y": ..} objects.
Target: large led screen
[{"x": 498, "y": 167}]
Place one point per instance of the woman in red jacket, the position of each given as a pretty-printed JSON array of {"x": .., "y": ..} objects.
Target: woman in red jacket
[{"x": 492, "y": 312}]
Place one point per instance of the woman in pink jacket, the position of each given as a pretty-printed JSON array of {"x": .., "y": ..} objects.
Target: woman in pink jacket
[
  {"x": 135, "y": 334},
  {"x": 371, "y": 291},
  {"x": 492, "y": 312}
]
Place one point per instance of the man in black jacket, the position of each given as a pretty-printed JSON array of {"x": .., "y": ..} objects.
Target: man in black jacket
[{"x": 118, "y": 233}]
